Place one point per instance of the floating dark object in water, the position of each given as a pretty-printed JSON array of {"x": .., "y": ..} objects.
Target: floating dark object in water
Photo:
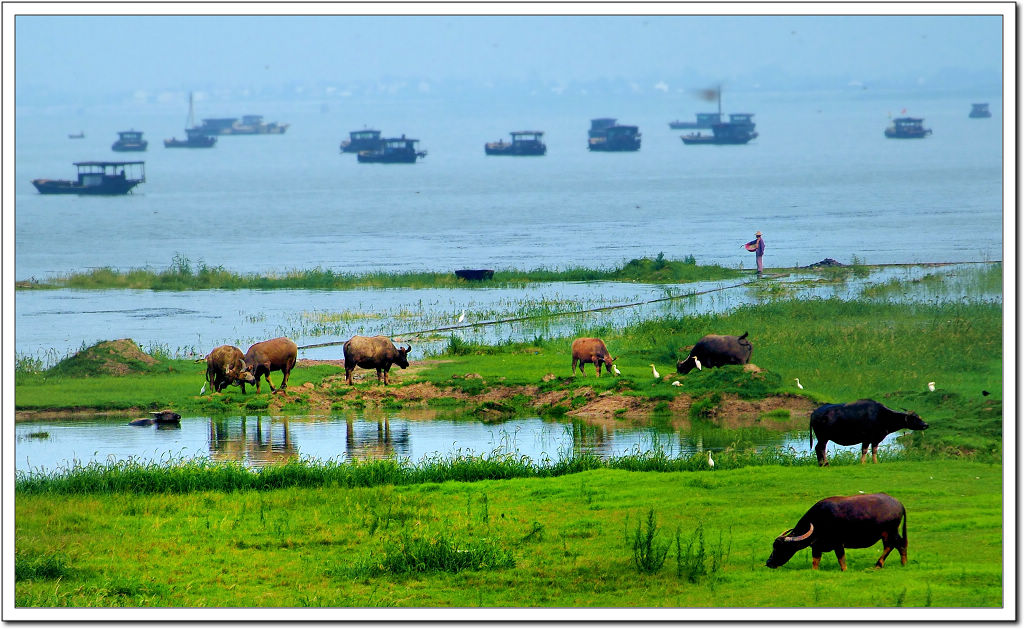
[
  {"x": 158, "y": 417},
  {"x": 825, "y": 262},
  {"x": 475, "y": 274}
]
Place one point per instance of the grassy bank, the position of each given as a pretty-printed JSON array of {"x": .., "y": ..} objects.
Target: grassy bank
[
  {"x": 184, "y": 274},
  {"x": 594, "y": 538}
]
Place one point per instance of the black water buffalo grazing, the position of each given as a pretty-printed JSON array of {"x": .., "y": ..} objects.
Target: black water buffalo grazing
[
  {"x": 591, "y": 350},
  {"x": 274, "y": 355},
  {"x": 865, "y": 422},
  {"x": 226, "y": 365},
  {"x": 374, "y": 352},
  {"x": 841, "y": 522},
  {"x": 716, "y": 350}
]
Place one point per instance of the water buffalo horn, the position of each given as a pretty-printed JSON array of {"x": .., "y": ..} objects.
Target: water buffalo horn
[
  {"x": 408, "y": 348},
  {"x": 802, "y": 537}
]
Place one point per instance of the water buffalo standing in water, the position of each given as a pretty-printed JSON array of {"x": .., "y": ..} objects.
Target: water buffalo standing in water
[
  {"x": 374, "y": 352},
  {"x": 158, "y": 417},
  {"x": 865, "y": 422},
  {"x": 841, "y": 522},
  {"x": 591, "y": 350},
  {"x": 274, "y": 355},
  {"x": 716, "y": 350},
  {"x": 226, "y": 365}
]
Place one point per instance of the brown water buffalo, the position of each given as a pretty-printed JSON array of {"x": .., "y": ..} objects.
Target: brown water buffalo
[
  {"x": 374, "y": 352},
  {"x": 841, "y": 522},
  {"x": 715, "y": 350},
  {"x": 274, "y": 355},
  {"x": 591, "y": 350},
  {"x": 866, "y": 422},
  {"x": 226, "y": 365}
]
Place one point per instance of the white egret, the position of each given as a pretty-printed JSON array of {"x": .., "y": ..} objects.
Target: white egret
[
  {"x": 203, "y": 390},
  {"x": 798, "y": 385},
  {"x": 696, "y": 361},
  {"x": 711, "y": 462},
  {"x": 462, "y": 317},
  {"x": 676, "y": 383},
  {"x": 931, "y": 386},
  {"x": 655, "y": 370},
  {"x": 616, "y": 370}
]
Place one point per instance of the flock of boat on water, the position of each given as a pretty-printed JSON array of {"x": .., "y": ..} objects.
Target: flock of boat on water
[{"x": 108, "y": 177}]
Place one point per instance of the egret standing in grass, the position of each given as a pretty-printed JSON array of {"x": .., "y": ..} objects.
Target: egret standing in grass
[
  {"x": 462, "y": 317},
  {"x": 798, "y": 385},
  {"x": 616, "y": 370},
  {"x": 931, "y": 386},
  {"x": 711, "y": 462},
  {"x": 696, "y": 362},
  {"x": 655, "y": 370},
  {"x": 676, "y": 383}
]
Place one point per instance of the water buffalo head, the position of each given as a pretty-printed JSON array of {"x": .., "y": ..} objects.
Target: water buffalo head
[
  {"x": 786, "y": 545},
  {"x": 402, "y": 360},
  {"x": 914, "y": 421}
]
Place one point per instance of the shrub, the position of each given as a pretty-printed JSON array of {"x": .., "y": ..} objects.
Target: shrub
[{"x": 648, "y": 555}]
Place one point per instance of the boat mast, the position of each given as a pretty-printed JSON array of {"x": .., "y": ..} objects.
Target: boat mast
[{"x": 191, "y": 117}]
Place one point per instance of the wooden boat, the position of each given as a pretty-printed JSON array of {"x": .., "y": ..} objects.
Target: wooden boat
[
  {"x": 739, "y": 130},
  {"x": 97, "y": 178},
  {"x": 475, "y": 274},
  {"x": 129, "y": 141},
  {"x": 394, "y": 151},
  {"x": 194, "y": 137},
  {"x": 704, "y": 121},
  {"x": 76, "y": 136},
  {"x": 979, "y": 110},
  {"x": 523, "y": 143},
  {"x": 363, "y": 140},
  {"x": 606, "y": 135},
  {"x": 907, "y": 129}
]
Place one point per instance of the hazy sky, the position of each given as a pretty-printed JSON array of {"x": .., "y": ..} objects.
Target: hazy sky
[{"x": 121, "y": 52}]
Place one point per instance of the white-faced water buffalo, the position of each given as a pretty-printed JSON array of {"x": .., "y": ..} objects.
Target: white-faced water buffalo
[
  {"x": 841, "y": 522},
  {"x": 274, "y": 355},
  {"x": 226, "y": 365},
  {"x": 591, "y": 350},
  {"x": 865, "y": 422},
  {"x": 716, "y": 350},
  {"x": 374, "y": 352}
]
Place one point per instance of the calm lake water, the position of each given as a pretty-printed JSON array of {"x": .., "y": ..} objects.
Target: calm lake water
[{"x": 820, "y": 181}]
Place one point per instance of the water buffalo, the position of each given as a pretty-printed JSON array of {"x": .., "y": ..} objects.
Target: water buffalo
[
  {"x": 865, "y": 422},
  {"x": 274, "y": 355},
  {"x": 841, "y": 522},
  {"x": 158, "y": 417},
  {"x": 715, "y": 350},
  {"x": 376, "y": 352},
  {"x": 591, "y": 350},
  {"x": 226, "y": 365}
]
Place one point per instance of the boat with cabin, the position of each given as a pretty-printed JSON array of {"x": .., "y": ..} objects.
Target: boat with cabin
[
  {"x": 979, "y": 110},
  {"x": 907, "y": 129},
  {"x": 129, "y": 141},
  {"x": 523, "y": 143},
  {"x": 194, "y": 138},
  {"x": 704, "y": 121},
  {"x": 393, "y": 151},
  {"x": 249, "y": 125},
  {"x": 739, "y": 130},
  {"x": 362, "y": 140},
  {"x": 607, "y": 135},
  {"x": 97, "y": 178}
]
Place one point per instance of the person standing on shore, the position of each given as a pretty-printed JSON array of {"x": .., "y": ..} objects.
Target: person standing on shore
[{"x": 757, "y": 246}]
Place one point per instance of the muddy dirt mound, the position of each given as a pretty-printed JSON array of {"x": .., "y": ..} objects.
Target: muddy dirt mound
[{"x": 106, "y": 358}]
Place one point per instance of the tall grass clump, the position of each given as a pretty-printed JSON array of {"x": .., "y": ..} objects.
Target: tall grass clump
[
  {"x": 44, "y": 567},
  {"x": 648, "y": 553},
  {"x": 699, "y": 561},
  {"x": 441, "y": 552}
]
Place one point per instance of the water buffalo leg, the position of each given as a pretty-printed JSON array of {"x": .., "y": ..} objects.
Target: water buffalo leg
[
  {"x": 822, "y": 454},
  {"x": 815, "y": 558},
  {"x": 284, "y": 378},
  {"x": 597, "y": 366},
  {"x": 378, "y": 375},
  {"x": 902, "y": 547},
  {"x": 387, "y": 377},
  {"x": 348, "y": 376},
  {"x": 267, "y": 376},
  {"x": 841, "y": 556},
  {"x": 887, "y": 546},
  {"x": 874, "y": 453},
  {"x": 574, "y": 361},
  {"x": 864, "y": 453}
]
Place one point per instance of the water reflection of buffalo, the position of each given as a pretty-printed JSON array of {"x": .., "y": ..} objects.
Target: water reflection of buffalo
[
  {"x": 378, "y": 443},
  {"x": 232, "y": 442}
]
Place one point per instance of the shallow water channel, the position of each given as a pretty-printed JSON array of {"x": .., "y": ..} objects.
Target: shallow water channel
[{"x": 54, "y": 445}]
